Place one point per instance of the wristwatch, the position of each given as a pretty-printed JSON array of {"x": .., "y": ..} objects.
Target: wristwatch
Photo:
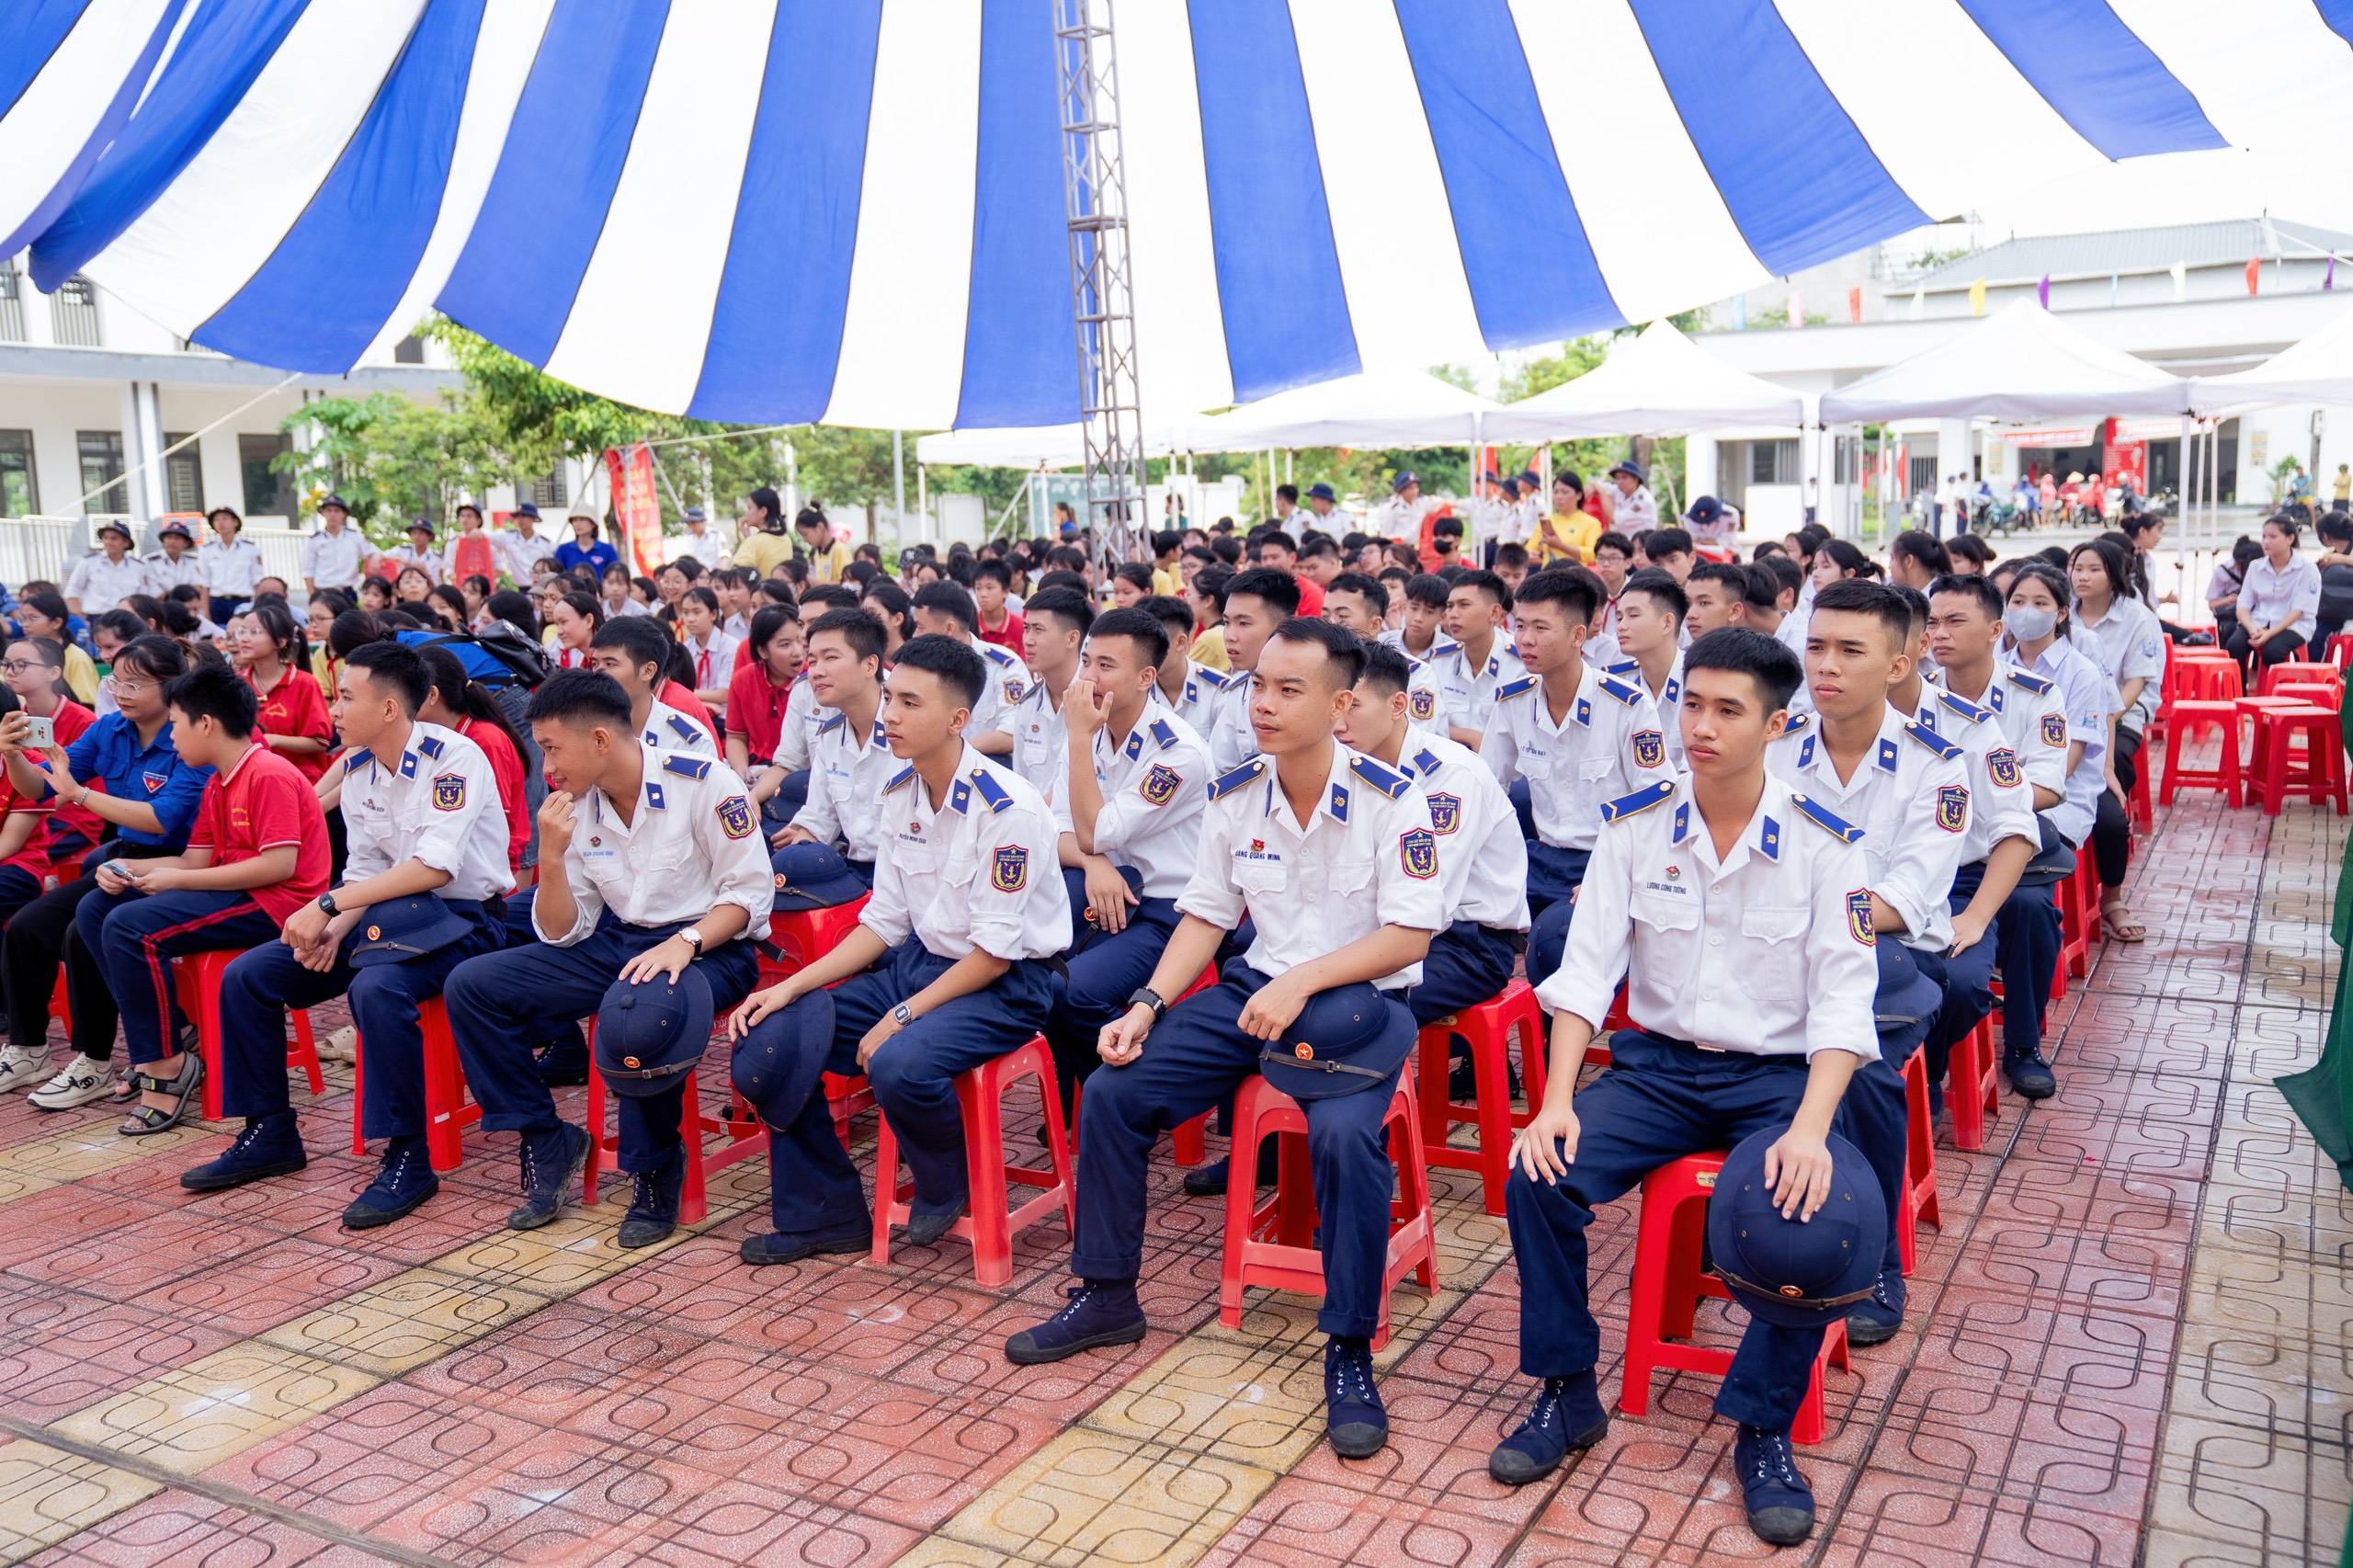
[
  {"x": 327, "y": 901},
  {"x": 1150, "y": 998},
  {"x": 692, "y": 936},
  {"x": 902, "y": 1015}
]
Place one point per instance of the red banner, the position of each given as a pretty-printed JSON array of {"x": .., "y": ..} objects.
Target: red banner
[
  {"x": 2122, "y": 461},
  {"x": 637, "y": 504}
]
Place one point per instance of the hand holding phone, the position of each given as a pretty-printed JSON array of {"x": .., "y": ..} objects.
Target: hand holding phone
[{"x": 39, "y": 733}]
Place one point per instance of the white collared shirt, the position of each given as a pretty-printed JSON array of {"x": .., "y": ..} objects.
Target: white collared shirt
[
  {"x": 983, "y": 868},
  {"x": 1482, "y": 857},
  {"x": 708, "y": 547},
  {"x": 230, "y": 569},
  {"x": 2268, "y": 593},
  {"x": 97, "y": 584},
  {"x": 1155, "y": 788},
  {"x": 1041, "y": 745},
  {"x": 2128, "y": 642},
  {"x": 796, "y": 737},
  {"x": 167, "y": 573},
  {"x": 1364, "y": 858},
  {"x": 439, "y": 805},
  {"x": 399, "y": 558},
  {"x": 1667, "y": 698},
  {"x": 521, "y": 555},
  {"x": 714, "y": 660},
  {"x": 1766, "y": 951},
  {"x": 1467, "y": 695},
  {"x": 2090, "y": 696},
  {"x": 693, "y": 845},
  {"x": 1197, "y": 699},
  {"x": 1910, "y": 796},
  {"x": 1609, "y": 742},
  {"x": 2001, "y": 803},
  {"x": 666, "y": 729},
  {"x": 1232, "y": 741},
  {"x": 845, "y": 781},
  {"x": 1425, "y": 697},
  {"x": 1007, "y": 683},
  {"x": 2032, "y": 713},
  {"x": 333, "y": 559}
]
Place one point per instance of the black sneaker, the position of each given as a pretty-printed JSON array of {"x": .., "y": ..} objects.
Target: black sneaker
[
  {"x": 1352, "y": 1417},
  {"x": 772, "y": 1247},
  {"x": 269, "y": 1146},
  {"x": 1877, "y": 1318},
  {"x": 550, "y": 1160},
  {"x": 1568, "y": 1415},
  {"x": 1211, "y": 1180},
  {"x": 1098, "y": 1315},
  {"x": 403, "y": 1181},
  {"x": 2029, "y": 1075},
  {"x": 653, "y": 1205},
  {"x": 1780, "y": 1504},
  {"x": 922, "y": 1230}
]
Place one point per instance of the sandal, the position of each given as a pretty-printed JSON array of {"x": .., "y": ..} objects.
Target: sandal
[
  {"x": 146, "y": 1119},
  {"x": 2125, "y": 930}
]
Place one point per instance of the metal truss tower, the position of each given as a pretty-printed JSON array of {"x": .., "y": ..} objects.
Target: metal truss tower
[{"x": 1095, "y": 194}]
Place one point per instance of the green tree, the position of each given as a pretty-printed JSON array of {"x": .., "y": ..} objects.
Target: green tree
[{"x": 393, "y": 459}]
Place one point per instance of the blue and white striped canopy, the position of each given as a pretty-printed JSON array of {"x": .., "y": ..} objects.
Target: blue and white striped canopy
[{"x": 852, "y": 210}]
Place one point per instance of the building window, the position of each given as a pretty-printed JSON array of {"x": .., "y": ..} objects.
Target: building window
[
  {"x": 1920, "y": 476},
  {"x": 19, "y": 492},
  {"x": 268, "y": 494},
  {"x": 102, "y": 485},
  {"x": 409, "y": 350},
  {"x": 74, "y": 314},
  {"x": 1773, "y": 462},
  {"x": 548, "y": 491},
  {"x": 183, "y": 476},
  {"x": 12, "y": 304}
]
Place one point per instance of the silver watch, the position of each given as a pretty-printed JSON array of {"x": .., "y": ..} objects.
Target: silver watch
[
  {"x": 902, "y": 1015},
  {"x": 692, "y": 938}
]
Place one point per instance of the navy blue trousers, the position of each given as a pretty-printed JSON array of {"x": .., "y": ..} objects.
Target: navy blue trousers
[
  {"x": 135, "y": 936},
  {"x": 1104, "y": 970},
  {"x": 1873, "y": 1116},
  {"x": 1194, "y": 1059},
  {"x": 814, "y": 1188},
  {"x": 1657, "y": 1102},
  {"x": 1467, "y": 964},
  {"x": 501, "y": 1003},
  {"x": 1553, "y": 877},
  {"x": 2024, "y": 944},
  {"x": 258, "y": 988}
]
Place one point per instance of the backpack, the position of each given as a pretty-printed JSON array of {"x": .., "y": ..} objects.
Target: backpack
[{"x": 497, "y": 654}]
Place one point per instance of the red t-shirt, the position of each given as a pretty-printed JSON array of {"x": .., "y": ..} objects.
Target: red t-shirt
[
  {"x": 70, "y": 720},
  {"x": 259, "y": 803},
  {"x": 507, "y": 767},
  {"x": 755, "y": 710},
  {"x": 472, "y": 555},
  {"x": 296, "y": 706},
  {"x": 687, "y": 702},
  {"x": 34, "y": 858},
  {"x": 1311, "y": 597},
  {"x": 1007, "y": 637}
]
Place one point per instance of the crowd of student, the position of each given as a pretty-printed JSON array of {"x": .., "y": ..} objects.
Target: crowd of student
[{"x": 1801, "y": 807}]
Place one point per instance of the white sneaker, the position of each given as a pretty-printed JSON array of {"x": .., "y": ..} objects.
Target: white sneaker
[
  {"x": 82, "y": 1082},
  {"x": 338, "y": 1046},
  {"x": 21, "y": 1069}
]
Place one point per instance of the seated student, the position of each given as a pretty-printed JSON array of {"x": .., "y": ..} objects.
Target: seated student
[
  {"x": 946, "y": 971},
  {"x": 1650, "y": 632},
  {"x": 1331, "y": 857},
  {"x": 1054, "y": 630},
  {"x": 1421, "y": 634},
  {"x": 1357, "y": 603},
  {"x": 1752, "y": 1035},
  {"x": 420, "y": 894},
  {"x": 24, "y": 842},
  {"x": 1186, "y": 688},
  {"x": 636, "y": 651},
  {"x": 650, "y": 867},
  {"x": 35, "y": 672},
  {"x": 1137, "y": 784},
  {"x": 1669, "y": 549},
  {"x": 1257, "y": 602},
  {"x": 944, "y": 609},
  {"x": 710, "y": 648},
  {"x": 1481, "y": 661},
  {"x": 148, "y": 800},
  {"x": 455, "y": 700},
  {"x": 825, "y": 855},
  {"x": 1906, "y": 789},
  {"x": 271, "y": 654},
  {"x": 257, "y": 852},
  {"x": 1577, "y": 737},
  {"x": 760, "y": 695}
]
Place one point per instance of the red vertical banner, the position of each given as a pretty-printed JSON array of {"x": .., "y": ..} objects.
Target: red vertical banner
[
  {"x": 637, "y": 504},
  {"x": 2121, "y": 459}
]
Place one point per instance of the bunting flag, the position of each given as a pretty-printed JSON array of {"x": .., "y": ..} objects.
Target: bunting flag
[
  {"x": 1977, "y": 298},
  {"x": 2042, "y": 292},
  {"x": 2254, "y": 272}
]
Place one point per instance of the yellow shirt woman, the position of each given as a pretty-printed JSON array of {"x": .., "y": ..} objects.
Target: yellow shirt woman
[{"x": 1565, "y": 536}]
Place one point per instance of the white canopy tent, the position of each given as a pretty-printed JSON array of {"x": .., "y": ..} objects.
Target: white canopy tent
[
  {"x": 2318, "y": 369},
  {"x": 1040, "y": 446},
  {"x": 1376, "y": 408},
  {"x": 1658, "y": 383},
  {"x": 2020, "y": 363}
]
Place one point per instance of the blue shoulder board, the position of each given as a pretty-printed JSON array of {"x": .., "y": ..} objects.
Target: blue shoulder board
[
  {"x": 2039, "y": 685},
  {"x": 1845, "y": 831},
  {"x": 430, "y": 745},
  {"x": 1625, "y": 806},
  {"x": 995, "y": 794},
  {"x": 901, "y": 778},
  {"x": 686, "y": 767},
  {"x": 1235, "y": 680},
  {"x": 687, "y": 729},
  {"x": 1796, "y": 722},
  {"x": 1389, "y": 784},
  {"x": 836, "y": 723},
  {"x": 1519, "y": 688},
  {"x": 991, "y": 651},
  {"x": 1932, "y": 741},
  {"x": 1441, "y": 647},
  {"x": 1238, "y": 778},
  {"x": 1619, "y": 689},
  {"x": 1163, "y": 733},
  {"x": 357, "y": 758},
  {"x": 1962, "y": 706}
]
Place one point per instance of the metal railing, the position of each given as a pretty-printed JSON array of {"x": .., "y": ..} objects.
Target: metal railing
[
  {"x": 46, "y": 548},
  {"x": 12, "y": 304}
]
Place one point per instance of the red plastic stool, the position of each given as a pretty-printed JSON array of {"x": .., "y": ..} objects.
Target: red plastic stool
[
  {"x": 1273, "y": 1243},
  {"x": 2340, "y": 649},
  {"x": 738, "y": 1126},
  {"x": 802, "y": 937},
  {"x": 448, "y": 1109},
  {"x": 980, "y": 1095},
  {"x": 1919, "y": 1159},
  {"x": 2138, "y": 817},
  {"x": 2318, "y": 769},
  {"x": 1487, "y": 1029},
  {"x": 1972, "y": 1092},
  {"x": 1669, "y": 1285},
  {"x": 2188, "y": 716},
  {"x": 197, "y": 979},
  {"x": 2292, "y": 680}
]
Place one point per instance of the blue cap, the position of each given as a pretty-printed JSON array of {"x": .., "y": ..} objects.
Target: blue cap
[
  {"x": 114, "y": 524},
  {"x": 1397, "y": 485},
  {"x": 526, "y": 510},
  {"x": 177, "y": 526},
  {"x": 401, "y": 928},
  {"x": 1345, "y": 1041},
  {"x": 692, "y": 515},
  {"x": 424, "y": 524},
  {"x": 813, "y": 876},
  {"x": 1070, "y": 530},
  {"x": 1706, "y": 509},
  {"x": 335, "y": 501},
  {"x": 1632, "y": 467},
  {"x": 649, "y": 1035},
  {"x": 1793, "y": 1273},
  {"x": 1321, "y": 493}
]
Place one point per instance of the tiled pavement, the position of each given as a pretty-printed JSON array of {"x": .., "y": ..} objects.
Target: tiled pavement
[{"x": 2128, "y": 1344}]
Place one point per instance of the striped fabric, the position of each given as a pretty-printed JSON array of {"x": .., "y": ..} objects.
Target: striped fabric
[{"x": 851, "y": 211}]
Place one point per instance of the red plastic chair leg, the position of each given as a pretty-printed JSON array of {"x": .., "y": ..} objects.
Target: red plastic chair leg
[{"x": 1919, "y": 1158}]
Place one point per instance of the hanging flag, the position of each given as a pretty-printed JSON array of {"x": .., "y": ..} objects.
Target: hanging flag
[
  {"x": 1797, "y": 309},
  {"x": 2042, "y": 292},
  {"x": 636, "y": 502},
  {"x": 1855, "y": 306},
  {"x": 2254, "y": 271},
  {"x": 2328, "y": 278},
  {"x": 1919, "y": 303},
  {"x": 1977, "y": 298}
]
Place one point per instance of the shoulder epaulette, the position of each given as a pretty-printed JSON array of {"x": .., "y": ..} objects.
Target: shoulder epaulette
[
  {"x": 1238, "y": 778},
  {"x": 1163, "y": 733},
  {"x": 1962, "y": 706},
  {"x": 995, "y": 794},
  {"x": 2028, "y": 681},
  {"x": 1846, "y": 832},
  {"x": 1427, "y": 760},
  {"x": 1622, "y": 667},
  {"x": 1625, "y": 806},
  {"x": 686, "y": 767},
  {"x": 1934, "y": 742},
  {"x": 1389, "y": 784},
  {"x": 357, "y": 758},
  {"x": 903, "y": 775},
  {"x": 685, "y": 726},
  {"x": 1797, "y": 721},
  {"x": 1618, "y": 690},
  {"x": 429, "y": 745},
  {"x": 991, "y": 651},
  {"x": 1441, "y": 647},
  {"x": 1519, "y": 688},
  {"x": 836, "y": 723}
]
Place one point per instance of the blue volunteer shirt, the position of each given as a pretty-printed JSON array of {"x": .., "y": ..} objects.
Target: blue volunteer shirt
[{"x": 110, "y": 753}]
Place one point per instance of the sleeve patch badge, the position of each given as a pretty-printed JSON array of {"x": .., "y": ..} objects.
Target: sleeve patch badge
[
  {"x": 1650, "y": 748},
  {"x": 1422, "y": 705},
  {"x": 2054, "y": 729},
  {"x": 735, "y": 816},
  {"x": 1417, "y": 848},
  {"x": 449, "y": 791},
  {"x": 2002, "y": 766},
  {"x": 1014, "y": 691},
  {"x": 1446, "y": 813},
  {"x": 1858, "y": 917},
  {"x": 1009, "y": 868},
  {"x": 1952, "y": 807},
  {"x": 1160, "y": 785}
]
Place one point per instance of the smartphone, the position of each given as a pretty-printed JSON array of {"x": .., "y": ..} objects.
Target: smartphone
[
  {"x": 122, "y": 869},
  {"x": 39, "y": 733}
]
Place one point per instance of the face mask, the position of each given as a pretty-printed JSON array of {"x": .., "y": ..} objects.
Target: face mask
[{"x": 2029, "y": 625}]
